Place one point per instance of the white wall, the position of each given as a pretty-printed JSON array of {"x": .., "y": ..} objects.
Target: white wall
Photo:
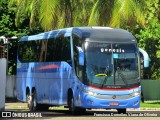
[
  {"x": 3, "y": 64},
  {"x": 11, "y": 86}
]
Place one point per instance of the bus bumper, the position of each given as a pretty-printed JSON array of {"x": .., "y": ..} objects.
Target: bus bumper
[{"x": 88, "y": 101}]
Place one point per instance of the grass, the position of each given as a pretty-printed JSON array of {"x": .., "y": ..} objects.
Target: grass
[
  {"x": 58, "y": 108},
  {"x": 150, "y": 105},
  {"x": 23, "y": 106},
  {"x": 17, "y": 106}
]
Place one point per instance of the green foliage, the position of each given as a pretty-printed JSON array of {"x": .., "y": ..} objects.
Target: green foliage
[
  {"x": 152, "y": 10},
  {"x": 149, "y": 39},
  {"x": 8, "y": 29},
  {"x": 127, "y": 13},
  {"x": 49, "y": 14},
  {"x": 6, "y": 22},
  {"x": 117, "y": 13},
  {"x": 101, "y": 13}
]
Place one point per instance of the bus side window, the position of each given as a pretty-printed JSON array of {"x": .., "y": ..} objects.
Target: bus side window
[
  {"x": 78, "y": 68},
  {"x": 27, "y": 51},
  {"x": 58, "y": 49},
  {"x": 76, "y": 59}
]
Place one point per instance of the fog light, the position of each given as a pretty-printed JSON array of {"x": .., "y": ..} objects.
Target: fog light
[
  {"x": 90, "y": 102},
  {"x": 136, "y": 102}
]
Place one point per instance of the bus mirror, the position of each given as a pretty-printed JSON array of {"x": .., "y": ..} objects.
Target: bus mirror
[
  {"x": 80, "y": 56},
  {"x": 145, "y": 57}
]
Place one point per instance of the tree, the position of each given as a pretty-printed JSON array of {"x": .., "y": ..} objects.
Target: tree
[
  {"x": 48, "y": 14},
  {"x": 51, "y": 14},
  {"x": 117, "y": 13},
  {"x": 8, "y": 29},
  {"x": 101, "y": 12},
  {"x": 149, "y": 37},
  {"x": 38, "y": 11}
]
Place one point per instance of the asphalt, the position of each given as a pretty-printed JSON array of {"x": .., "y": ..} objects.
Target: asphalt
[{"x": 15, "y": 107}]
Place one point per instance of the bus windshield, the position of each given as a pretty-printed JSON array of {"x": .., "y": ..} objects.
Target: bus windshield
[{"x": 111, "y": 64}]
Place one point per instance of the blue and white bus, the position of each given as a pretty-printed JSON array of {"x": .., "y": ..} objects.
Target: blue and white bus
[{"x": 80, "y": 68}]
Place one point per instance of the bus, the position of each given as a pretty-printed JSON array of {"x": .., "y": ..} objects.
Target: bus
[{"x": 80, "y": 68}]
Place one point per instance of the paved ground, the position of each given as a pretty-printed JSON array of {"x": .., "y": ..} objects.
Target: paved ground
[{"x": 20, "y": 109}]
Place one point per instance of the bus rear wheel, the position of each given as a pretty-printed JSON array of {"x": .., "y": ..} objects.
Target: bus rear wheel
[
  {"x": 33, "y": 105},
  {"x": 31, "y": 101}
]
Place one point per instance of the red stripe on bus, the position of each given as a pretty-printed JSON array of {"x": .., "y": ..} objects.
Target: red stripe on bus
[
  {"x": 53, "y": 66},
  {"x": 114, "y": 89}
]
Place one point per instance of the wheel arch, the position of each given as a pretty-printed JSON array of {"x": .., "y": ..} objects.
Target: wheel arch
[
  {"x": 33, "y": 89},
  {"x": 27, "y": 90}
]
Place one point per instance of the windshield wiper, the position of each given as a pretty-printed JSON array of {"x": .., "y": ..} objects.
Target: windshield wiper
[
  {"x": 122, "y": 76},
  {"x": 106, "y": 77},
  {"x": 104, "y": 81}
]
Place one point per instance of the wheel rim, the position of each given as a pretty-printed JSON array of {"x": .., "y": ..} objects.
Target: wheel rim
[
  {"x": 29, "y": 102},
  {"x": 27, "y": 99}
]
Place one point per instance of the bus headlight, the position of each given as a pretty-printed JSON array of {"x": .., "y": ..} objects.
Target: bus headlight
[
  {"x": 89, "y": 92},
  {"x": 134, "y": 94},
  {"x": 92, "y": 93}
]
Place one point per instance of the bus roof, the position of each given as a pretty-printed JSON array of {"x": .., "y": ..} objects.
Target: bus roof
[
  {"x": 49, "y": 34},
  {"x": 107, "y": 34},
  {"x": 87, "y": 33}
]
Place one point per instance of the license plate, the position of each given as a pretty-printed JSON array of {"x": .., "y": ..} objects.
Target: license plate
[{"x": 113, "y": 103}]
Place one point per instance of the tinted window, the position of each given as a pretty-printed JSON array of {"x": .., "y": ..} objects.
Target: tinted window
[
  {"x": 78, "y": 68},
  {"x": 29, "y": 51},
  {"x": 57, "y": 49}
]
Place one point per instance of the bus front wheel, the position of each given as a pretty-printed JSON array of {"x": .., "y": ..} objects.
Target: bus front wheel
[
  {"x": 121, "y": 111},
  {"x": 72, "y": 108}
]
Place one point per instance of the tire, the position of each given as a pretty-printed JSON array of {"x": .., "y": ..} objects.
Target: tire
[
  {"x": 27, "y": 99},
  {"x": 75, "y": 110},
  {"x": 33, "y": 105},
  {"x": 122, "y": 111},
  {"x": 32, "y": 102},
  {"x": 72, "y": 108}
]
